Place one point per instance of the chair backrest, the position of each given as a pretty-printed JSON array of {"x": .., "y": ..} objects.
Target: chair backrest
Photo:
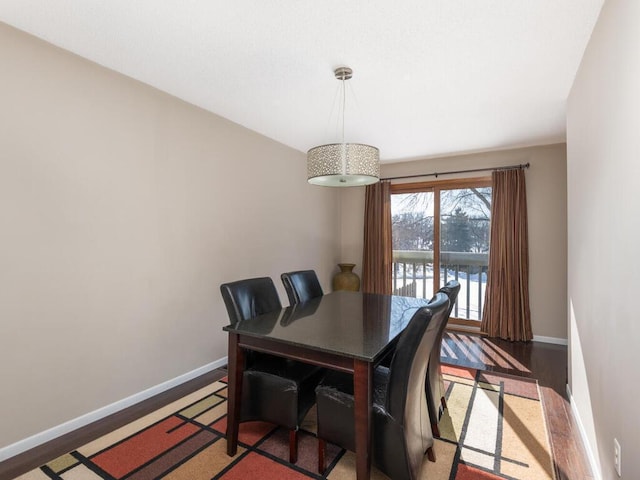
[
  {"x": 435, "y": 385},
  {"x": 406, "y": 398},
  {"x": 451, "y": 289},
  {"x": 249, "y": 298},
  {"x": 301, "y": 286}
]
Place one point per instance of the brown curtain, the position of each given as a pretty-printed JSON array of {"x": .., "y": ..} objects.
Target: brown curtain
[
  {"x": 377, "y": 258},
  {"x": 506, "y": 310}
]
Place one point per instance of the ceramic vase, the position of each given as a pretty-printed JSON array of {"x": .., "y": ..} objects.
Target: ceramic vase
[{"x": 345, "y": 279}]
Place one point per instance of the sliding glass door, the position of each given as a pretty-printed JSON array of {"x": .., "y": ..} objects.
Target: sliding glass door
[
  {"x": 412, "y": 227},
  {"x": 441, "y": 233}
]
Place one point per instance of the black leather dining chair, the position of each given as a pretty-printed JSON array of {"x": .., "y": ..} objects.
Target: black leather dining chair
[
  {"x": 274, "y": 389},
  {"x": 301, "y": 286},
  {"x": 436, "y": 402},
  {"x": 401, "y": 428},
  {"x": 435, "y": 383}
]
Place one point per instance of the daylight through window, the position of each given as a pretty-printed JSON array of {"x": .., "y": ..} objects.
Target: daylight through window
[{"x": 441, "y": 232}]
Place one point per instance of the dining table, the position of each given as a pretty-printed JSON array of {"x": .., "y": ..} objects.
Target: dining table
[{"x": 343, "y": 330}]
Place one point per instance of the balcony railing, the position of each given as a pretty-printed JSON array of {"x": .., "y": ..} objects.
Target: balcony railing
[{"x": 413, "y": 277}]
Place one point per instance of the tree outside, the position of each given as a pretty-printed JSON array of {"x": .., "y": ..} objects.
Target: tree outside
[
  {"x": 412, "y": 231},
  {"x": 456, "y": 232},
  {"x": 465, "y": 216},
  {"x": 464, "y": 244}
]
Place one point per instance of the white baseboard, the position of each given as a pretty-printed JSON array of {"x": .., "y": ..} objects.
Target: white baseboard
[
  {"x": 57, "y": 431},
  {"x": 554, "y": 340},
  {"x": 583, "y": 435}
]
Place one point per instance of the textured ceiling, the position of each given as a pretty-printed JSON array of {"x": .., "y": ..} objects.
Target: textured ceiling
[{"x": 430, "y": 77}]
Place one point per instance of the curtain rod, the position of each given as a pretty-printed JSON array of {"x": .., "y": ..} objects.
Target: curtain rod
[{"x": 435, "y": 174}]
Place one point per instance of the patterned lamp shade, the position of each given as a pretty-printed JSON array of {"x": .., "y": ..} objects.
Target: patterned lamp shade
[{"x": 343, "y": 165}]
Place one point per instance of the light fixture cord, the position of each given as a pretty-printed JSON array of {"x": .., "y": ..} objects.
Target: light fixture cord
[
  {"x": 344, "y": 145},
  {"x": 343, "y": 106}
]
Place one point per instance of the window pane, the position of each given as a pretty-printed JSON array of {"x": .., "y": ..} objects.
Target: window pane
[
  {"x": 464, "y": 246},
  {"x": 413, "y": 241}
]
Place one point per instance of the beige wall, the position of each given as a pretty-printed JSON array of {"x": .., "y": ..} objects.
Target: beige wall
[
  {"x": 546, "y": 201},
  {"x": 122, "y": 209},
  {"x": 603, "y": 156}
]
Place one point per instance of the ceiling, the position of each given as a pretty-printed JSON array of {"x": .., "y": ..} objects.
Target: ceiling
[{"x": 431, "y": 77}]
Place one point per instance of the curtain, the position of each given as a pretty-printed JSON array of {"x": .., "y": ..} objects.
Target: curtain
[
  {"x": 506, "y": 310},
  {"x": 377, "y": 258}
]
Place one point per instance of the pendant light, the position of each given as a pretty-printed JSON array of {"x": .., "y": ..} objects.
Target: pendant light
[{"x": 343, "y": 164}]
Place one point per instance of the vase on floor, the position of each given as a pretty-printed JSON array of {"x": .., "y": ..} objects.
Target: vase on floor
[{"x": 345, "y": 279}]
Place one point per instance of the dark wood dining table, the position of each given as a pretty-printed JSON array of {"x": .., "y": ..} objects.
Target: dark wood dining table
[{"x": 346, "y": 331}]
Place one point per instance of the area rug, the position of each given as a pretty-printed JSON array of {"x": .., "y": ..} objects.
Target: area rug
[{"x": 493, "y": 428}]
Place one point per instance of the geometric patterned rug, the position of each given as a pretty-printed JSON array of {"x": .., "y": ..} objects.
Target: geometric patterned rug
[{"x": 493, "y": 428}]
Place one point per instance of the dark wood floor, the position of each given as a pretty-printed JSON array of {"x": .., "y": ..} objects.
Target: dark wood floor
[
  {"x": 548, "y": 364},
  {"x": 545, "y": 362}
]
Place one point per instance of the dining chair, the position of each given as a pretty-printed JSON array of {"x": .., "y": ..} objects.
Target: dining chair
[
  {"x": 436, "y": 402},
  {"x": 274, "y": 389},
  {"x": 401, "y": 428},
  {"x": 301, "y": 285}
]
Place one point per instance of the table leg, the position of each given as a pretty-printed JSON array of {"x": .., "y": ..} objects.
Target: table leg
[
  {"x": 362, "y": 393},
  {"x": 236, "y": 369}
]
